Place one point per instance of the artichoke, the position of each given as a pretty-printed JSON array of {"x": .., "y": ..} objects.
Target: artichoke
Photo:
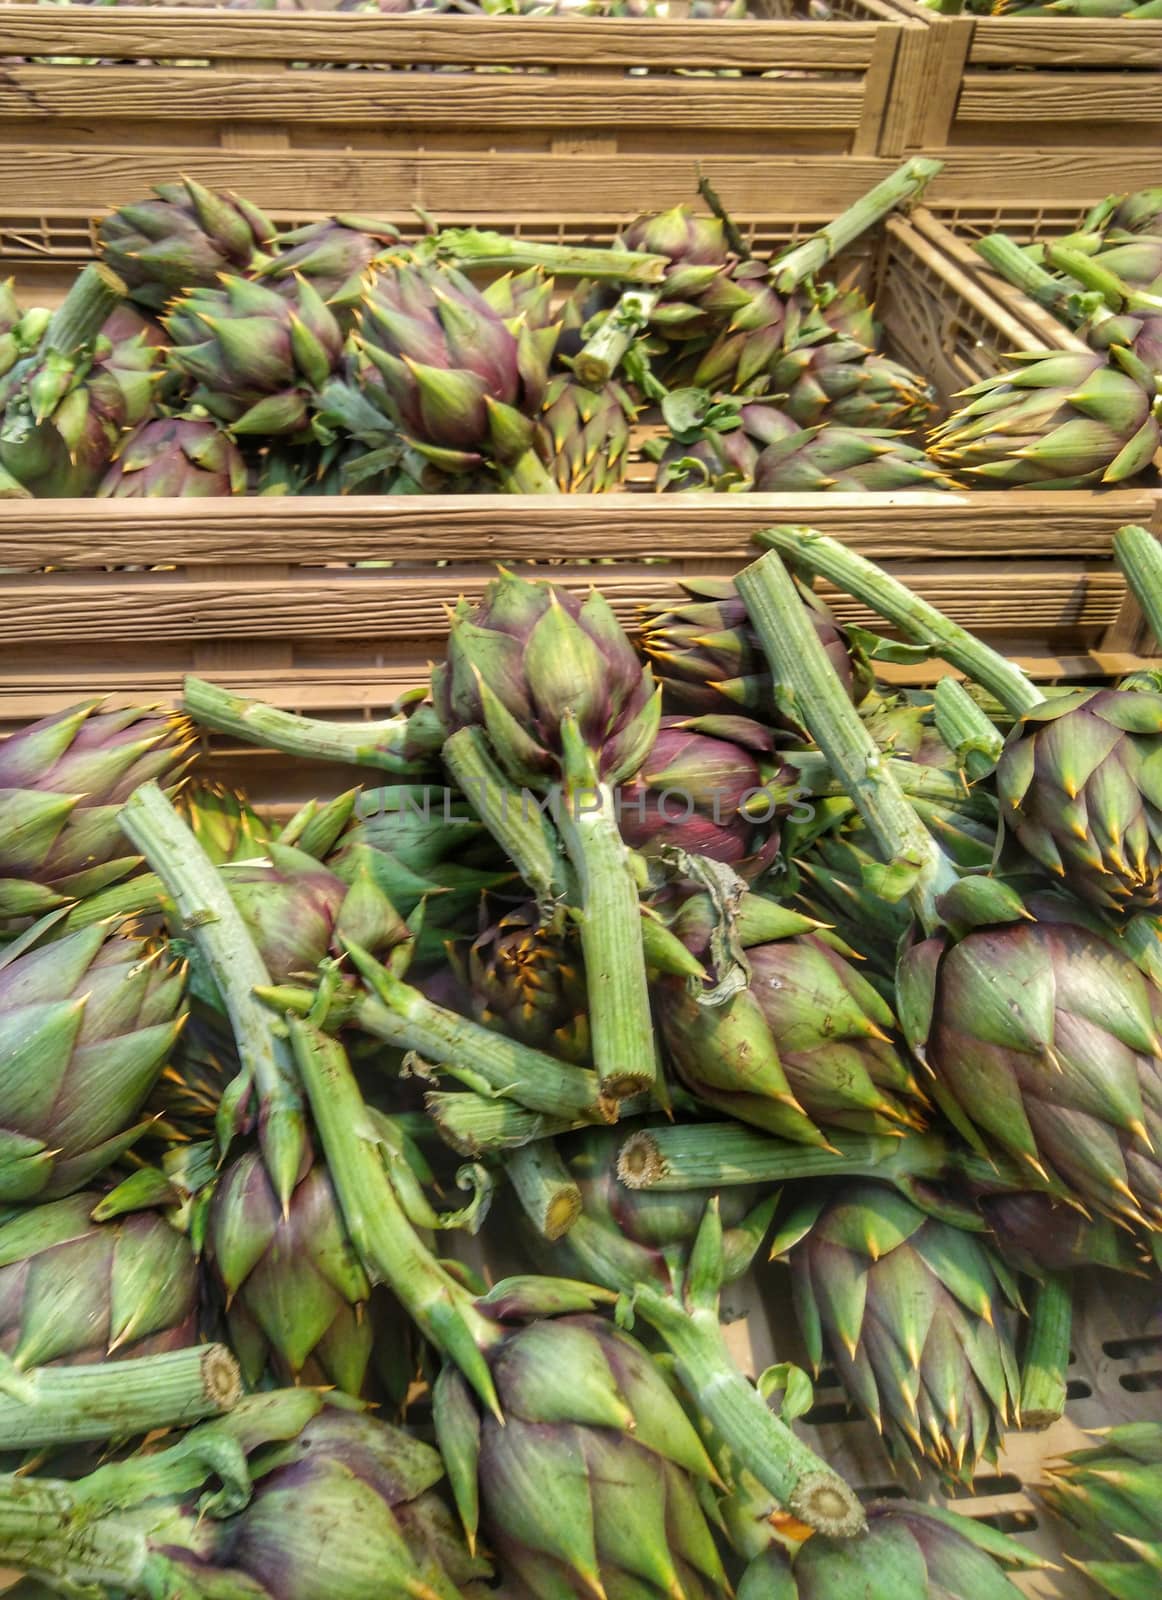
[
  {"x": 257, "y": 357},
  {"x": 224, "y": 823},
  {"x": 585, "y": 435},
  {"x": 1043, "y": 1040},
  {"x": 20, "y": 331},
  {"x": 74, "y": 1290},
  {"x": 462, "y": 381},
  {"x": 1078, "y": 792},
  {"x": 62, "y": 782},
  {"x": 186, "y": 238},
  {"x": 844, "y": 460},
  {"x": 697, "y": 250},
  {"x": 916, "y": 1316},
  {"x": 708, "y": 658},
  {"x": 63, "y": 413},
  {"x": 841, "y": 381},
  {"x": 1111, "y": 1497},
  {"x": 803, "y": 1042},
  {"x": 296, "y": 1295},
  {"x": 688, "y": 793},
  {"x": 86, "y": 1025},
  {"x": 910, "y": 1552},
  {"x": 335, "y": 255},
  {"x": 591, "y": 1486},
  {"x": 524, "y": 976},
  {"x": 179, "y": 457},
  {"x": 1059, "y": 420}
]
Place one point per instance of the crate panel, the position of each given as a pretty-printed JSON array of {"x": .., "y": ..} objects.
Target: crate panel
[
  {"x": 268, "y": 78},
  {"x": 1080, "y": 81}
]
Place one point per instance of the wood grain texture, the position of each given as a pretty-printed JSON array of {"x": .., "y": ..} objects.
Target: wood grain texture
[
  {"x": 79, "y": 179},
  {"x": 89, "y": 534},
  {"x": 363, "y": 691},
  {"x": 1099, "y": 97},
  {"x": 1034, "y": 598},
  {"x": 146, "y": 33},
  {"x": 419, "y": 100},
  {"x": 1066, "y": 42}
]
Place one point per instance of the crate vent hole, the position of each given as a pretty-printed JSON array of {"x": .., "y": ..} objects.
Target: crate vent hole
[
  {"x": 1077, "y": 1389},
  {"x": 1127, "y": 1349},
  {"x": 1140, "y": 1382},
  {"x": 986, "y": 1485},
  {"x": 1011, "y": 1521}
]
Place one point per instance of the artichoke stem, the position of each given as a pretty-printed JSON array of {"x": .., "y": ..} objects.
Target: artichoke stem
[
  {"x": 798, "y": 659},
  {"x": 922, "y": 623},
  {"x": 620, "y": 1022},
  {"x": 933, "y": 784},
  {"x": 966, "y": 729},
  {"x": 1046, "y": 1355},
  {"x": 117, "y": 1399},
  {"x": 223, "y": 940},
  {"x": 96, "y": 293},
  {"x": 600, "y": 357},
  {"x": 474, "y": 1125},
  {"x": 1089, "y": 273},
  {"x": 717, "y": 1155},
  {"x": 527, "y": 475},
  {"x": 517, "y": 824},
  {"x": 46, "y": 1528},
  {"x": 363, "y": 744},
  {"x": 803, "y": 1484},
  {"x": 545, "y": 1188},
  {"x": 813, "y": 254},
  {"x": 1005, "y": 256},
  {"x": 486, "y": 1061},
  {"x": 1140, "y": 557},
  {"x": 480, "y": 248},
  {"x": 389, "y": 1247}
]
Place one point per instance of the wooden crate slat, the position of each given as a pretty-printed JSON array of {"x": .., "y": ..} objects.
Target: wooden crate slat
[
  {"x": 453, "y": 100},
  {"x": 1066, "y": 42},
  {"x": 37, "y": 178},
  {"x": 147, "y": 33},
  {"x": 362, "y": 603},
  {"x": 189, "y": 533},
  {"x": 1060, "y": 97}
]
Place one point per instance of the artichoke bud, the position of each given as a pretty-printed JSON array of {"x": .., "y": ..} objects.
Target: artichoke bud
[{"x": 511, "y": 432}]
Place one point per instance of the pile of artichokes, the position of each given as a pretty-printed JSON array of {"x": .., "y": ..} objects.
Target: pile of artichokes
[{"x": 648, "y": 964}]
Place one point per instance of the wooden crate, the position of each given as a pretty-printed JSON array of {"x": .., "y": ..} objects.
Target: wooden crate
[
  {"x": 266, "y": 594},
  {"x": 268, "y": 83},
  {"x": 1036, "y": 81}
]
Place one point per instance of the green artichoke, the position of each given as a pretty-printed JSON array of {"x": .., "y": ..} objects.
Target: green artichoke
[
  {"x": 909, "y": 1552},
  {"x": 62, "y": 782},
  {"x": 257, "y": 357},
  {"x": 1079, "y": 793},
  {"x": 690, "y": 791},
  {"x": 1060, "y": 420},
  {"x": 708, "y": 658},
  {"x": 186, "y": 238},
  {"x": 1043, "y": 1041},
  {"x": 915, "y": 1315},
  {"x": 224, "y": 823},
  {"x": 1110, "y": 1496},
  {"x": 834, "y": 459},
  {"x": 86, "y": 1025},
  {"x": 591, "y": 1486},
  {"x": 525, "y": 977},
  {"x": 178, "y": 457},
  {"x": 803, "y": 1043},
  {"x": 335, "y": 255},
  {"x": 841, "y": 381},
  {"x": 74, "y": 1290},
  {"x": 20, "y": 331},
  {"x": 296, "y": 1295},
  {"x": 699, "y": 256},
  {"x": 585, "y": 435},
  {"x": 62, "y": 413},
  {"x": 460, "y": 379}
]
